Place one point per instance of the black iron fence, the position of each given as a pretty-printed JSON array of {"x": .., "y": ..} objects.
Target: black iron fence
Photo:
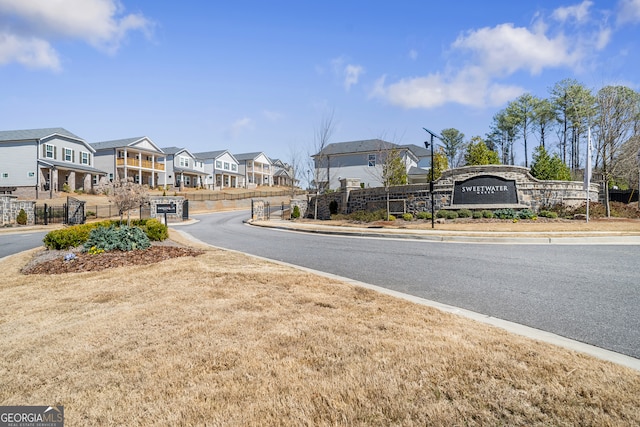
[
  {"x": 623, "y": 196},
  {"x": 214, "y": 196}
]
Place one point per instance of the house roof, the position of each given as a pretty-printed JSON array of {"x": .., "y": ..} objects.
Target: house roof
[
  {"x": 369, "y": 146},
  {"x": 176, "y": 150},
  {"x": 248, "y": 156},
  {"x": 415, "y": 171},
  {"x": 210, "y": 154},
  {"x": 71, "y": 166},
  {"x": 35, "y": 134},
  {"x": 121, "y": 143}
]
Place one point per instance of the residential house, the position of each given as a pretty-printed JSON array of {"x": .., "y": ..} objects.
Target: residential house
[
  {"x": 137, "y": 158},
  {"x": 283, "y": 174},
  {"x": 364, "y": 160},
  {"x": 184, "y": 170},
  {"x": 256, "y": 168},
  {"x": 222, "y": 169},
  {"x": 40, "y": 163}
]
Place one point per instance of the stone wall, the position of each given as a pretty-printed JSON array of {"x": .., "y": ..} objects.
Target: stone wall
[
  {"x": 154, "y": 201},
  {"x": 10, "y": 208},
  {"x": 532, "y": 193}
]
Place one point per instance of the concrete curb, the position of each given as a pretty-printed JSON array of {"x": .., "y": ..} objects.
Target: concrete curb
[{"x": 447, "y": 236}]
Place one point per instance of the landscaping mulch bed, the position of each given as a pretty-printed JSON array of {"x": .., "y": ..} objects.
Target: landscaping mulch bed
[{"x": 53, "y": 262}]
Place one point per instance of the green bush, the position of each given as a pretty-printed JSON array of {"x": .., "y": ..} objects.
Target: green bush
[
  {"x": 407, "y": 217},
  {"x": 487, "y": 213},
  {"x": 446, "y": 214},
  {"x": 526, "y": 214},
  {"x": 296, "y": 212},
  {"x": 464, "y": 213},
  {"x": 155, "y": 230},
  {"x": 368, "y": 216},
  {"x": 73, "y": 236},
  {"x": 548, "y": 214},
  {"x": 22, "y": 217},
  {"x": 477, "y": 214},
  {"x": 423, "y": 215},
  {"x": 392, "y": 218},
  {"x": 507, "y": 213},
  {"x": 111, "y": 238},
  {"x": 66, "y": 188}
]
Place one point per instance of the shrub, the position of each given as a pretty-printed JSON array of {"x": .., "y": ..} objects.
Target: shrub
[
  {"x": 155, "y": 230},
  {"x": 477, "y": 214},
  {"x": 66, "y": 188},
  {"x": 124, "y": 238},
  {"x": 423, "y": 215},
  {"x": 464, "y": 213},
  {"x": 526, "y": 214},
  {"x": 392, "y": 218},
  {"x": 487, "y": 213},
  {"x": 22, "y": 217},
  {"x": 447, "y": 214},
  {"x": 296, "y": 212},
  {"x": 73, "y": 236},
  {"x": 507, "y": 213},
  {"x": 548, "y": 214},
  {"x": 407, "y": 217}
]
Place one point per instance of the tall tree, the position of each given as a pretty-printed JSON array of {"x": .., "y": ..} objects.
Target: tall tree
[
  {"x": 478, "y": 153},
  {"x": 521, "y": 112},
  {"x": 453, "y": 141},
  {"x": 544, "y": 116},
  {"x": 321, "y": 163},
  {"x": 548, "y": 167},
  {"x": 440, "y": 163},
  {"x": 618, "y": 111},
  {"x": 505, "y": 128}
]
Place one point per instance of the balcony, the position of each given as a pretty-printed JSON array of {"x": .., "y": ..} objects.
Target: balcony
[{"x": 145, "y": 164}]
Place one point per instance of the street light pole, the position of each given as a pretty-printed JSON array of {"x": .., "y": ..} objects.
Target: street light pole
[{"x": 428, "y": 144}]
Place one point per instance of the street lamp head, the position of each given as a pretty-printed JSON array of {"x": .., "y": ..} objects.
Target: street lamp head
[{"x": 433, "y": 134}]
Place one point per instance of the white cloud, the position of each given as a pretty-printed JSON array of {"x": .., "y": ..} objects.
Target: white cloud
[
  {"x": 348, "y": 73},
  {"x": 490, "y": 55},
  {"x": 30, "y": 52},
  {"x": 352, "y": 75},
  {"x": 628, "y": 11},
  {"x": 240, "y": 125},
  {"x": 579, "y": 12},
  {"x": 100, "y": 23}
]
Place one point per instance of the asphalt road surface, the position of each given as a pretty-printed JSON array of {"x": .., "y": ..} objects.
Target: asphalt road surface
[
  {"x": 588, "y": 293},
  {"x": 12, "y": 243}
]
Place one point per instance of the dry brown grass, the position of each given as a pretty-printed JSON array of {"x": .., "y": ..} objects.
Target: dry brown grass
[{"x": 224, "y": 339}]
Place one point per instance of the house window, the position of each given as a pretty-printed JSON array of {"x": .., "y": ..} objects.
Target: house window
[
  {"x": 84, "y": 158},
  {"x": 372, "y": 159},
  {"x": 68, "y": 155},
  {"x": 187, "y": 181},
  {"x": 48, "y": 151},
  {"x": 218, "y": 164},
  {"x": 5, "y": 174},
  {"x": 184, "y": 162},
  {"x": 234, "y": 167},
  {"x": 226, "y": 165}
]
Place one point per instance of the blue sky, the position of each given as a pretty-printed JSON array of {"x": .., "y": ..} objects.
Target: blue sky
[{"x": 260, "y": 75}]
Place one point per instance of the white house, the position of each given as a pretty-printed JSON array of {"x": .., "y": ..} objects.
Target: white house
[
  {"x": 138, "y": 158},
  {"x": 39, "y": 163},
  {"x": 183, "y": 168},
  {"x": 256, "y": 168},
  {"x": 222, "y": 169},
  {"x": 363, "y": 160}
]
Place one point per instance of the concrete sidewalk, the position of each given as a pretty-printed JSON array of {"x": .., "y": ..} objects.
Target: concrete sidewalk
[{"x": 435, "y": 235}]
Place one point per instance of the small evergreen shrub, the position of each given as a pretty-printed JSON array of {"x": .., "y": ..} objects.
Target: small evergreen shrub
[
  {"x": 526, "y": 214},
  {"x": 464, "y": 213},
  {"x": 507, "y": 213},
  {"x": 547, "y": 214},
  {"x": 66, "y": 188},
  {"x": 155, "y": 230},
  {"x": 296, "y": 212},
  {"x": 477, "y": 214},
  {"x": 446, "y": 214},
  {"x": 73, "y": 236},
  {"x": 487, "y": 213},
  {"x": 423, "y": 215},
  {"x": 407, "y": 217},
  {"x": 22, "y": 217},
  {"x": 392, "y": 218}
]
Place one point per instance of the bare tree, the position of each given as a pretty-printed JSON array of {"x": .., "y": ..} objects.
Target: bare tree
[
  {"x": 125, "y": 194},
  {"x": 295, "y": 167},
  {"x": 321, "y": 159}
]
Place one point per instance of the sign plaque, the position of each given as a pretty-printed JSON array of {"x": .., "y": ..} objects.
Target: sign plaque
[{"x": 485, "y": 190}]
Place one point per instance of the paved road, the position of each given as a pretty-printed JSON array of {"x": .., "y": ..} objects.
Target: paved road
[
  {"x": 587, "y": 293},
  {"x": 11, "y": 243}
]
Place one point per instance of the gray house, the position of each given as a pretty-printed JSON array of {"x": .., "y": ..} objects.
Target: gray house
[
  {"x": 222, "y": 168},
  {"x": 40, "y": 163}
]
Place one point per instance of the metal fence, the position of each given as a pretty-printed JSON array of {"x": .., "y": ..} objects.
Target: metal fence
[
  {"x": 623, "y": 196},
  {"x": 214, "y": 196}
]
